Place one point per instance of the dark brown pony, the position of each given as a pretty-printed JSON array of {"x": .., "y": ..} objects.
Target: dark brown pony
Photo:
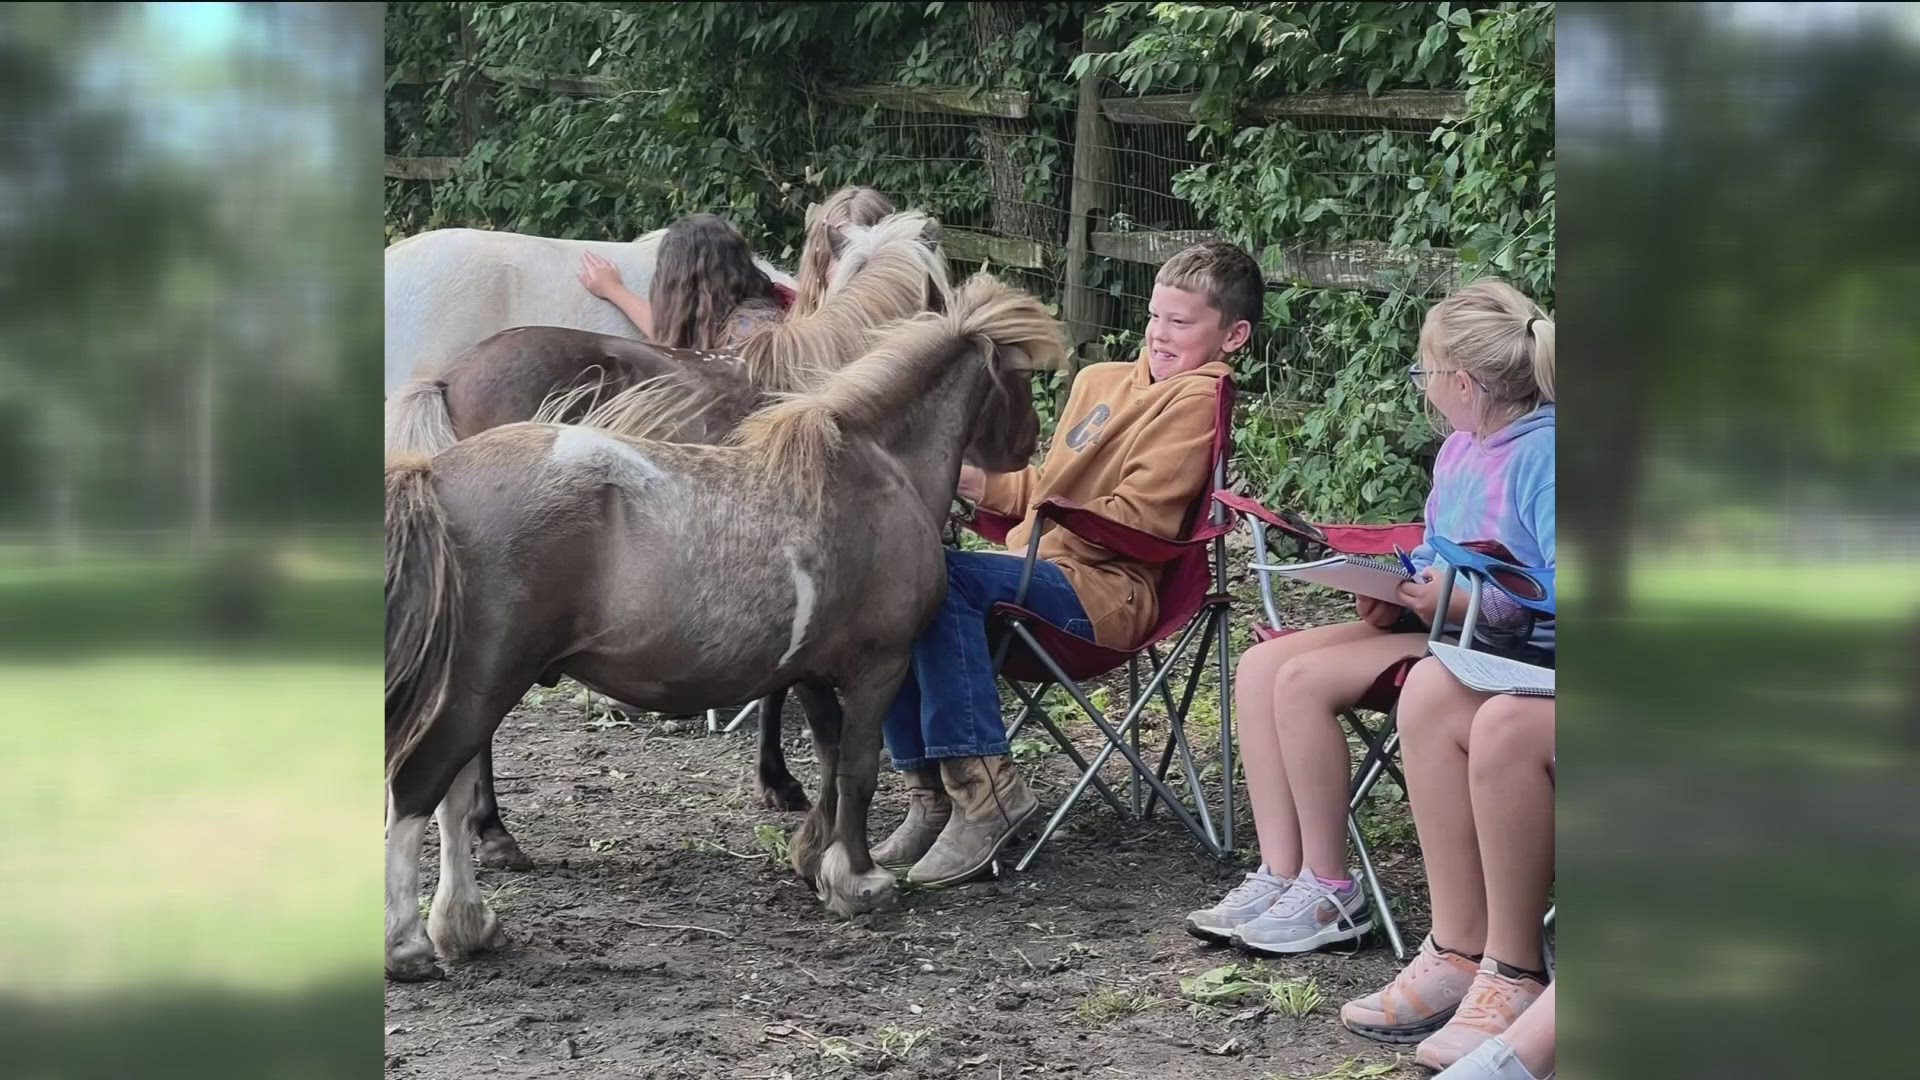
[
  {"x": 884, "y": 272},
  {"x": 806, "y": 553}
]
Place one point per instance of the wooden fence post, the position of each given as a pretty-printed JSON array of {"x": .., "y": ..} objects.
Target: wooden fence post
[{"x": 1083, "y": 309}]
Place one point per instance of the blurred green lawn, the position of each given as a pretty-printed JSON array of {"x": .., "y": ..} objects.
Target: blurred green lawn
[
  {"x": 1738, "y": 735},
  {"x": 184, "y": 811}
]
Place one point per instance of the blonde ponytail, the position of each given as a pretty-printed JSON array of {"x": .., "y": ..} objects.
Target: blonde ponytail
[
  {"x": 851, "y": 205},
  {"x": 1491, "y": 331}
]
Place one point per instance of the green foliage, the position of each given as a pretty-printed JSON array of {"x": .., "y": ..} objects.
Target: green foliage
[
  {"x": 1337, "y": 430},
  {"x": 721, "y": 107},
  {"x": 715, "y": 107}
]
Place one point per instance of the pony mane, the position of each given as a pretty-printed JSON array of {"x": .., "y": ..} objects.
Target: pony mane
[
  {"x": 656, "y": 408},
  {"x": 556, "y": 405},
  {"x": 886, "y": 273},
  {"x": 795, "y": 440}
]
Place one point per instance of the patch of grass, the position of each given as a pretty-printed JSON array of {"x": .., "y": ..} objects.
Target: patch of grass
[
  {"x": 178, "y": 810},
  {"x": 1295, "y": 998},
  {"x": 1026, "y": 749},
  {"x": 1110, "y": 1004},
  {"x": 890, "y": 1044},
  {"x": 1385, "y": 818},
  {"x": 1354, "y": 1069},
  {"x": 900, "y": 1043},
  {"x": 1229, "y": 983},
  {"x": 773, "y": 840}
]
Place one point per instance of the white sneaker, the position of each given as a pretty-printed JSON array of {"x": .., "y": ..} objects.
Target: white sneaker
[
  {"x": 1491, "y": 1060},
  {"x": 1308, "y": 917},
  {"x": 1247, "y": 901}
]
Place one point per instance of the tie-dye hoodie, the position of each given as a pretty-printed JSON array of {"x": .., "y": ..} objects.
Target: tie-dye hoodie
[{"x": 1500, "y": 489}]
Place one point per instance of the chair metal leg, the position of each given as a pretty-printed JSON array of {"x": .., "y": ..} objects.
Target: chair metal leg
[
  {"x": 1134, "y": 786},
  {"x": 1374, "y": 889},
  {"x": 1029, "y": 705},
  {"x": 740, "y": 717},
  {"x": 1222, "y": 616},
  {"x": 713, "y": 721},
  {"x": 1073, "y": 754},
  {"x": 1116, "y": 740},
  {"x": 1176, "y": 714}
]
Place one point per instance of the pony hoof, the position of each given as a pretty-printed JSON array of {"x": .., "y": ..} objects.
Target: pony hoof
[
  {"x": 502, "y": 853},
  {"x": 465, "y": 929},
  {"x": 848, "y": 893},
  {"x": 413, "y": 965},
  {"x": 788, "y": 797}
]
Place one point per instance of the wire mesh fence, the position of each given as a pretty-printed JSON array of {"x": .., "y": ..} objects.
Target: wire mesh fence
[{"x": 1076, "y": 193}]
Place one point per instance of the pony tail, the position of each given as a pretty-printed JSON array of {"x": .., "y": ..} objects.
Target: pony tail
[
  {"x": 423, "y": 607},
  {"x": 417, "y": 420},
  {"x": 1540, "y": 329}
]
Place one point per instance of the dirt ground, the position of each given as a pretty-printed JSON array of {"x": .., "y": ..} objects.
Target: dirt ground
[{"x": 660, "y": 937}]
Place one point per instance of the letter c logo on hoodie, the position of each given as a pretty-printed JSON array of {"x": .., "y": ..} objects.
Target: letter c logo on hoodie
[{"x": 1084, "y": 432}]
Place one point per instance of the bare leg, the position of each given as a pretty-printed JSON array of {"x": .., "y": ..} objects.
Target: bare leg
[
  {"x": 773, "y": 784},
  {"x": 1436, "y": 717},
  {"x": 1307, "y": 692},
  {"x": 1531, "y": 1036},
  {"x": 1512, "y": 753},
  {"x": 461, "y": 922},
  {"x": 849, "y": 881},
  {"x": 816, "y": 832},
  {"x": 1274, "y": 819},
  {"x": 498, "y": 849}
]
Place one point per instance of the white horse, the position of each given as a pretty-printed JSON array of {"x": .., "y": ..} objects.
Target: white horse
[{"x": 450, "y": 289}]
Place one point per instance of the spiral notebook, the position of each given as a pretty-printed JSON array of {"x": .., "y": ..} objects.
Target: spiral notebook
[
  {"x": 1356, "y": 574},
  {"x": 1491, "y": 674}
]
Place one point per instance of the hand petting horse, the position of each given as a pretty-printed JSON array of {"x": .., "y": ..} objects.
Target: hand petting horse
[{"x": 805, "y": 552}]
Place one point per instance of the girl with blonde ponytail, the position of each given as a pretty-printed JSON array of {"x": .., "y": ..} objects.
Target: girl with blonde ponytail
[
  {"x": 851, "y": 205},
  {"x": 1486, "y": 370}
]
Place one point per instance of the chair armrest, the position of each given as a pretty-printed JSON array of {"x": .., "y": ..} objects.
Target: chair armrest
[{"x": 1124, "y": 540}]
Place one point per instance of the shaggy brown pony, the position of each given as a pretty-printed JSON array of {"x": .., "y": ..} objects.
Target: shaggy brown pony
[{"x": 806, "y": 552}]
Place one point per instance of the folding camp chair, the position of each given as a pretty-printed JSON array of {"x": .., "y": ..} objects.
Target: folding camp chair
[
  {"x": 1193, "y": 602},
  {"x": 1319, "y": 541}
]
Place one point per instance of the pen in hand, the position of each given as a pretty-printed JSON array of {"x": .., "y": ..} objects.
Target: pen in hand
[{"x": 1406, "y": 562}]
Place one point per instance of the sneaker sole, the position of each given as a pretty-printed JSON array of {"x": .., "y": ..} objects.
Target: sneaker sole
[
  {"x": 1217, "y": 937},
  {"x": 1328, "y": 936},
  {"x": 1409, "y": 1033},
  {"x": 1013, "y": 830}
]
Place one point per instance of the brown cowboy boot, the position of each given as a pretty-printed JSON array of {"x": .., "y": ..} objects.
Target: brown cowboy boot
[
  {"x": 928, "y": 809},
  {"x": 990, "y": 802}
]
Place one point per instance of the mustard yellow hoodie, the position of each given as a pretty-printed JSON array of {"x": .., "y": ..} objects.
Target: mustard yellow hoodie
[{"x": 1130, "y": 449}]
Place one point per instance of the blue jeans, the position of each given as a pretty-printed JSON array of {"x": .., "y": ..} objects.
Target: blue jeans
[{"x": 948, "y": 706}]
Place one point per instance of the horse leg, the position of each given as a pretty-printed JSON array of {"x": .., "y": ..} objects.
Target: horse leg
[
  {"x": 775, "y": 786},
  {"x": 409, "y": 953},
  {"x": 498, "y": 849},
  {"x": 824, "y": 721},
  {"x": 849, "y": 881},
  {"x": 461, "y": 922},
  {"x": 449, "y": 752}
]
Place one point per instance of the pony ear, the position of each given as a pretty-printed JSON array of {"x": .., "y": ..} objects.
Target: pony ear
[
  {"x": 930, "y": 232},
  {"x": 813, "y": 214},
  {"x": 837, "y": 241}
]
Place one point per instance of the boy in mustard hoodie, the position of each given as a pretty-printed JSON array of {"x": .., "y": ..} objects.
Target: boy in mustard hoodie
[{"x": 1134, "y": 445}]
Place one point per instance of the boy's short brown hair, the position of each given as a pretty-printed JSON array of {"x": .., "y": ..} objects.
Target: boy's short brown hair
[{"x": 1227, "y": 276}]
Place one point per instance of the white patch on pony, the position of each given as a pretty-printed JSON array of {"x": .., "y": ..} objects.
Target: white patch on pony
[
  {"x": 803, "y": 598},
  {"x": 581, "y": 448}
]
